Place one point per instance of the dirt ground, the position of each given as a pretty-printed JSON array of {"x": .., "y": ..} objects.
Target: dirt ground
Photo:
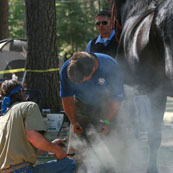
[{"x": 165, "y": 155}]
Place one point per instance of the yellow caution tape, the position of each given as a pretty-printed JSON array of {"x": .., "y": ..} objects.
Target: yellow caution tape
[
  {"x": 41, "y": 71},
  {"x": 12, "y": 71},
  {"x": 28, "y": 70}
]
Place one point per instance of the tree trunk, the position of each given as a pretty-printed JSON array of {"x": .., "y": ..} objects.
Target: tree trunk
[
  {"x": 42, "y": 51},
  {"x": 4, "y": 19}
]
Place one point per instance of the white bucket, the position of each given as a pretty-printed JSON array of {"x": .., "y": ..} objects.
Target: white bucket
[{"x": 54, "y": 122}]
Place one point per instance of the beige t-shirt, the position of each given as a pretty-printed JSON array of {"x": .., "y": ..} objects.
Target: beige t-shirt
[{"x": 14, "y": 146}]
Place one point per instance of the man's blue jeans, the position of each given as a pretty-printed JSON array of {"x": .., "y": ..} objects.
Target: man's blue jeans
[{"x": 54, "y": 166}]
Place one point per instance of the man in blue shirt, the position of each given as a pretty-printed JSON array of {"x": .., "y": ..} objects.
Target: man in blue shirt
[
  {"x": 107, "y": 40},
  {"x": 92, "y": 91}
]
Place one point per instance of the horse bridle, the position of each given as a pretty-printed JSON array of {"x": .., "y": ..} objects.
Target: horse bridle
[{"x": 115, "y": 21}]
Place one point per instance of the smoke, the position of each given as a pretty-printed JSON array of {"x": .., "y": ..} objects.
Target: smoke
[
  {"x": 113, "y": 154},
  {"x": 99, "y": 157},
  {"x": 96, "y": 154},
  {"x": 125, "y": 149}
]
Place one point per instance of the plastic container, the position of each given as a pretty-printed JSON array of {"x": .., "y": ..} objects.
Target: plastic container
[{"x": 54, "y": 122}]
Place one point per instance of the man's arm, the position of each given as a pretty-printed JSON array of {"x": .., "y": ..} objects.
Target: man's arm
[
  {"x": 112, "y": 110},
  {"x": 70, "y": 110},
  {"x": 40, "y": 142},
  {"x": 88, "y": 49}
]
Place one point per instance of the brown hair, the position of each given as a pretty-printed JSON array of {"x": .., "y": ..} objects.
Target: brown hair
[
  {"x": 7, "y": 86},
  {"x": 80, "y": 66}
]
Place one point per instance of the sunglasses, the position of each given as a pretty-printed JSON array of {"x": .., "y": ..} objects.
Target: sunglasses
[{"x": 103, "y": 23}]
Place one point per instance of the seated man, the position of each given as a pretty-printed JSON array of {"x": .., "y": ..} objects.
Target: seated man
[{"x": 21, "y": 125}]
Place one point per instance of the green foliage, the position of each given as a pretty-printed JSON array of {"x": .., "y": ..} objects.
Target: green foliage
[
  {"x": 16, "y": 18},
  {"x": 104, "y": 5},
  {"x": 75, "y": 23},
  {"x": 75, "y": 26}
]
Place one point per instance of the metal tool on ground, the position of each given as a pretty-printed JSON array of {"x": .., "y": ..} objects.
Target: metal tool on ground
[{"x": 53, "y": 155}]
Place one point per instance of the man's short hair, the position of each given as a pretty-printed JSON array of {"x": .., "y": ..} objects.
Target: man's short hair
[
  {"x": 80, "y": 66},
  {"x": 7, "y": 86},
  {"x": 104, "y": 13}
]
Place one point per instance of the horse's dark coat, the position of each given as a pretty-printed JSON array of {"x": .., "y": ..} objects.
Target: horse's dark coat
[{"x": 145, "y": 54}]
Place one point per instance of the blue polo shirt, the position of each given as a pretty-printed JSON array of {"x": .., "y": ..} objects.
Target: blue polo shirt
[
  {"x": 106, "y": 82},
  {"x": 101, "y": 40}
]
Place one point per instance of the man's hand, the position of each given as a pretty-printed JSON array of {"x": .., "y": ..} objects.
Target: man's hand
[
  {"x": 40, "y": 142},
  {"x": 77, "y": 128},
  {"x": 60, "y": 143},
  {"x": 60, "y": 153}
]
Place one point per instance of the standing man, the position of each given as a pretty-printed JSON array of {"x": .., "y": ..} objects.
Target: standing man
[
  {"x": 107, "y": 41},
  {"x": 92, "y": 91},
  {"x": 21, "y": 128}
]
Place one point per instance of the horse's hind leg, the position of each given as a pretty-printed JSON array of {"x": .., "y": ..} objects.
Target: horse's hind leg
[{"x": 158, "y": 103}]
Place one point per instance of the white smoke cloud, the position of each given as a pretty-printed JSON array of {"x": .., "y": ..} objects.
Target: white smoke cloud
[{"x": 125, "y": 149}]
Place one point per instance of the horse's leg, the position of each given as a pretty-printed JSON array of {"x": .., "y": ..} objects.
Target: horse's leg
[{"x": 158, "y": 103}]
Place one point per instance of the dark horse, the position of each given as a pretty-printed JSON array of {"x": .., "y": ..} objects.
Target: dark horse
[{"x": 145, "y": 54}]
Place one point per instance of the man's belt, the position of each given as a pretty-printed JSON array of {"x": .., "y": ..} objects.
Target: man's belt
[{"x": 15, "y": 167}]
